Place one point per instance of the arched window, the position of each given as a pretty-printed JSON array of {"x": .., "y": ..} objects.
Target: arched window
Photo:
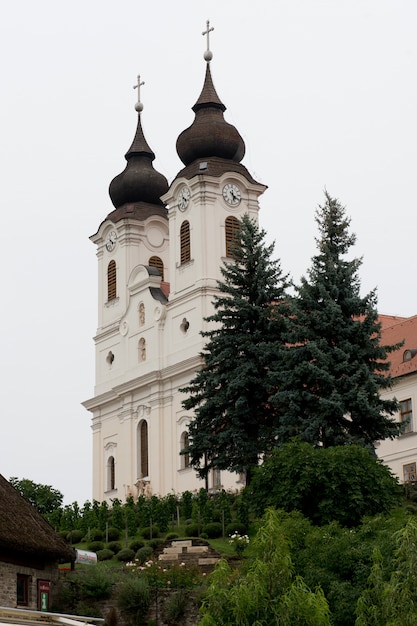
[
  {"x": 111, "y": 474},
  {"x": 185, "y": 458},
  {"x": 111, "y": 280},
  {"x": 142, "y": 449},
  {"x": 232, "y": 228},
  {"x": 185, "y": 254},
  {"x": 155, "y": 261},
  {"x": 141, "y": 314},
  {"x": 142, "y": 349}
]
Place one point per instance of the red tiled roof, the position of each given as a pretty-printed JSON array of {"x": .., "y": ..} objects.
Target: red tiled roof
[{"x": 400, "y": 329}]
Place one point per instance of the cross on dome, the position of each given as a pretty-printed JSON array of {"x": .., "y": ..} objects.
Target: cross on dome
[
  {"x": 139, "y": 105},
  {"x": 208, "y": 55}
]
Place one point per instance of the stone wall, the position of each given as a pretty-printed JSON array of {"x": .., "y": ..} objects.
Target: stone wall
[{"x": 8, "y": 583}]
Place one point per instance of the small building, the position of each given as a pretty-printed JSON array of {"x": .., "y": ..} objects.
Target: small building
[{"x": 30, "y": 551}]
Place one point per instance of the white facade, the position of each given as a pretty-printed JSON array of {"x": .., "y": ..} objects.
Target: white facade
[{"x": 148, "y": 345}]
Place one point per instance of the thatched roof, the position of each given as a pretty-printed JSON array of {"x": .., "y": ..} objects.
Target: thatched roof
[{"x": 24, "y": 532}]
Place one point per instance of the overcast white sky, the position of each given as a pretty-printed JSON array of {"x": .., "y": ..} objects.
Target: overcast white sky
[{"x": 324, "y": 93}]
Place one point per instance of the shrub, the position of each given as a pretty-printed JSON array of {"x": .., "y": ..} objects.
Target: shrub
[
  {"x": 171, "y": 536},
  {"x": 176, "y": 606},
  {"x": 135, "y": 544},
  {"x": 95, "y": 546},
  {"x": 155, "y": 543},
  {"x": 143, "y": 554},
  {"x": 114, "y": 546},
  {"x": 96, "y": 582},
  {"x": 134, "y": 598},
  {"x": 236, "y": 527},
  {"x": 204, "y": 536},
  {"x": 191, "y": 530},
  {"x": 126, "y": 554},
  {"x": 105, "y": 555},
  {"x": 113, "y": 534},
  {"x": 213, "y": 530},
  {"x": 321, "y": 484},
  {"x": 95, "y": 535},
  {"x": 146, "y": 532},
  {"x": 74, "y": 536}
]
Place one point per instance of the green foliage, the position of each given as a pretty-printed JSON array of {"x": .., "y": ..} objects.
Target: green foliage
[
  {"x": 187, "y": 504},
  {"x": 176, "y": 606},
  {"x": 330, "y": 382},
  {"x": 126, "y": 554},
  {"x": 94, "y": 546},
  {"x": 96, "y": 534},
  {"x": 393, "y": 602},
  {"x": 149, "y": 532},
  {"x": 44, "y": 498},
  {"x": 113, "y": 534},
  {"x": 342, "y": 483},
  {"x": 105, "y": 555},
  {"x": 235, "y": 421},
  {"x": 136, "y": 543},
  {"x": 134, "y": 597},
  {"x": 95, "y": 581},
  {"x": 143, "y": 554},
  {"x": 267, "y": 593},
  {"x": 191, "y": 530},
  {"x": 115, "y": 546},
  {"x": 213, "y": 530},
  {"x": 75, "y": 536},
  {"x": 235, "y": 527},
  {"x": 171, "y": 536}
]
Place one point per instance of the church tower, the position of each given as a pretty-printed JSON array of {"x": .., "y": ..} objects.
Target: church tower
[{"x": 159, "y": 254}]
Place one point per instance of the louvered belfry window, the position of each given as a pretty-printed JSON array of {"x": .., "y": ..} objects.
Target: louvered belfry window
[
  {"x": 185, "y": 242},
  {"x": 111, "y": 280},
  {"x": 155, "y": 261},
  {"x": 232, "y": 231}
]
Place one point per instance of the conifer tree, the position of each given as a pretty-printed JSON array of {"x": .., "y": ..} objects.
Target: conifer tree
[
  {"x": 337, "y": 366},
  {"x": 234, "y": 421}
]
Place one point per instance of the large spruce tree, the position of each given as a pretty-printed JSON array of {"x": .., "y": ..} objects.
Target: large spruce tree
[
  {"x": 336, "y": 367},
  {"x": 234, "y": 422}
]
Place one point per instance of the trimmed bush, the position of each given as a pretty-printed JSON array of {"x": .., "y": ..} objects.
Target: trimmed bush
[
  {"x": 74, "y": 536},
  {"x": 105, "y": 555},
  {"x": 156, "y": 543},
  {"x": 146, "y": 532},
  {"x": 143, "y": 554},
  {"x": 171, "y": 536},
  {"x": 113, "y": 534},
  {"x": 236, "y": 527},
  {"x": 213, "y": 530},
  {"x": 135, "y": 544},
  {"x": 125, "y": 555},
  {"x": 96, "y": 534},
  {"x": 114, "y": 546},
  {"x": 95, "y": 546},
  {"x": 191, "y": 530}
]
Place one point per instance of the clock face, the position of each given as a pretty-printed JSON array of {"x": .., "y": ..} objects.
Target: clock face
[
  {"x": 183, "y": 198},
  {"x": 231, "y": 194},
  {"x": 111, "y": 240}
]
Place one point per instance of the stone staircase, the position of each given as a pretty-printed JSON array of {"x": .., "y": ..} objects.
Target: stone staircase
[{"x": 190, "y": 552}]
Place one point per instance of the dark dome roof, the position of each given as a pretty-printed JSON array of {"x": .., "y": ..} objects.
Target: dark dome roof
[
  {"x": 210, "y": 135},
  {"x": 139, "y": 182}
]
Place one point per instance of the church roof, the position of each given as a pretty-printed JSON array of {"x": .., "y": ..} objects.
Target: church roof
[
  {"x": 24, "y": 531},
  {"x": 139, "y": 187},
  {"x": 210, "y": 135}
]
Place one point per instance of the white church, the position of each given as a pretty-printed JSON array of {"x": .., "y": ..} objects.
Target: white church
[{"x": 159, "y": 255}]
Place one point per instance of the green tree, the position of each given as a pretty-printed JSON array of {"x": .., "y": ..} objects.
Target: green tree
[
  {"x": 340, "y": 483},
  {"x": 234, "y": 420},
  {"x": 268, "y": 593},
  {"x": 44, "y": 498},
  {"x": 336, "y": 367},
  {"x": 393, "y": 603}
]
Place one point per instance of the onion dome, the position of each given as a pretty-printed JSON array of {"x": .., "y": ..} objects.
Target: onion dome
[
  {"x": 139, "y": 182},
  {"x": 210, "y": 135}
]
